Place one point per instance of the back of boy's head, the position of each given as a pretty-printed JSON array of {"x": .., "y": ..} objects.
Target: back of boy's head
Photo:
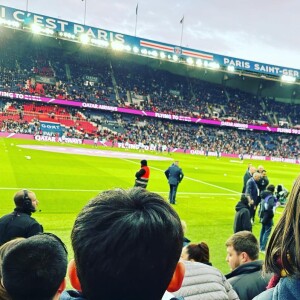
[
  {"x": 126, "y": 245},
  {"x": 35, "y": 268}
]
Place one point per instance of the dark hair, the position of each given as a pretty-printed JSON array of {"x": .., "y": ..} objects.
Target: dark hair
[
  {"x": 271, "y": 188},
  {"x": 244, "y": 241},
  {"x": 126, "y": 245},
  {"x": 5, "y": 248},
  {"x": 198, "y": 252},
  {"x": 284, "y": 243},
  {"x": 244, "y": 199},
  {"x": 35, "y": 268},
  {"x": 143, "y": 162}
]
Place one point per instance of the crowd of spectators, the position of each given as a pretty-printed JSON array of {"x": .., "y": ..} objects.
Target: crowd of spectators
[
  {"x": 126, "y": 128},
  {"x": 34, "y": 68}
]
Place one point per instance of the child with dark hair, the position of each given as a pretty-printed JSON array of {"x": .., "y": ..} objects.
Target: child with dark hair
[{"x": 3, "y": 251}]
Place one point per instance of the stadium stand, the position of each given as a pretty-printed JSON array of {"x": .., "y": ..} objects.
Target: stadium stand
[{"x": 42, "y": 68}]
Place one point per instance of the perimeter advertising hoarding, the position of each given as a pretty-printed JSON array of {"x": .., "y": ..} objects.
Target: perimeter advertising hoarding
[{"x": 12, "y": 95}]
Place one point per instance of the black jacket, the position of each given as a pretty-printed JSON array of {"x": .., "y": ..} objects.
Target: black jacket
[
  {"x": 267, "y": 213},
  {"x": 18, "y": 224},
  {"x": 247, "y": 280},
  {"x": 242, "y": 220}
]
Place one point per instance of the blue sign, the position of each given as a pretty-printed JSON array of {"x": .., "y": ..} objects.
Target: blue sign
[{"x": 51, "y": 128}]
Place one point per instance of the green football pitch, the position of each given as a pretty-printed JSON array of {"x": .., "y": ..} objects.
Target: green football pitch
[{"x": 65, "y": 182}]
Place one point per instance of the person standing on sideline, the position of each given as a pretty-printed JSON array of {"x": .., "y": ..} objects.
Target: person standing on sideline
[
  {"x": 96, "y": 141},
  {"x": 242, "y": 219},
  {"x": 19, "y": 223},
  {"x": 268, "y": 205},
  {"x": 252, "y": 191},
  {"x": 142, "y": 176},
  {"x": 249, "y": 173},
  {"x": 174, "y": 175}
]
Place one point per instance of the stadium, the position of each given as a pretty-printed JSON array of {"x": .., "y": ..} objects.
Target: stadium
[{"x": 63, "y": 86}]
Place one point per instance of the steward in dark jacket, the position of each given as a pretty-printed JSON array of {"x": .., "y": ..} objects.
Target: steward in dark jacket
[
  {"x": 242, "y": 220},
  {"x": 247, "y": 280}
]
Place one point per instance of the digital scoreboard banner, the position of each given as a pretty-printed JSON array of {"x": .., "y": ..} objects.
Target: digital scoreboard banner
[
  {"x": 58, "y": 25},
  {"x": 12, "y": 95}
]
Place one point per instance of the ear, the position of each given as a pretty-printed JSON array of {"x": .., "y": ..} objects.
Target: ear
[
  {"x": 245, "y": 257},
  {"x": 72, "y": 272},
  {"x": 176, "y": 281},
  {"x": 62, "y": 286}
]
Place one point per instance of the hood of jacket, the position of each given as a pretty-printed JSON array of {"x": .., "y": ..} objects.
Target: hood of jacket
[{"x": 240, "y": 205}]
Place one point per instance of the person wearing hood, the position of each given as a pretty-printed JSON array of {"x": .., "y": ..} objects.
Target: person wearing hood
[
  {"x": 268, "y": 206},
  {"x": 19, "y": 223},
  {"x": 242, "y": 220}
]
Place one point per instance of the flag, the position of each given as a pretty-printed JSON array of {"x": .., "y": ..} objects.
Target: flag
[
  {"x": 181, "y": 21},
  {"x": 137, "y": 9}
]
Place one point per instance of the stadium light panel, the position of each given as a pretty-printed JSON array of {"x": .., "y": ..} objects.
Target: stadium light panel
[
  {"x": 36, "y": 28},
  {"x": 117, "y": 46},
  {"x": 199, "y": 63},
  {"x": 205, "y": 63},
  {"x": 154, "y": 53},
  {"x": 162, "y": 55},
  {"x": 230, "y": 69},
  {"x": 144, "y": 51},
  {"x": 288, "y": 79},
  {"x": 175, "y": 57},
  {"x": 127, "y": 48},
  {"x": 14, "y": 24},
  {"x": 67, "y": 35},
  {"x": 136, "y": 50},
  {"x": 84, "y": 39},
  {"x": 100, "y": 43},
  {"x": 214, "y": 65},
  {"x": 190, "y": 61}
]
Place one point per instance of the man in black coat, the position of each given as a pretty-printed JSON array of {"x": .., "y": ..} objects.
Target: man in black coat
[
  {"x": 19, "y": 223},
  {"x": 249, "y": 173},
  {"x": 174, "y": 175},
  {"x": 246, "y": 270},
  {"x": 242, "y": 219}
]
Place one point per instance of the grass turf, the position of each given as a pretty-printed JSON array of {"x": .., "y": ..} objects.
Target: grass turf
[{"x": 65, "y": 182}]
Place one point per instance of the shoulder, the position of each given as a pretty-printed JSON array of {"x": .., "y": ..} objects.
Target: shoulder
[{"x": 266, "y": 295}]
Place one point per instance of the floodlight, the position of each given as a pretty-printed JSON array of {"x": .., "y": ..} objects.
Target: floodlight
[
  {"x": 154, "y": 53},
  {"x": 36, "y": 28},
  {"x": 118, "y": 46},
  {"x": 100, "y": 43},
  {"x": 136, "y": 49},
  {"x": 190, "y": 61},
  {"x": 199, "y": 63},
  {"x": 144, "y": 51},
  {"x": 175, "y": 57},
  {"x": 162, "y": 55},
  {"x": 127, "y": 48},
  {"x": 230, "y": 68},
  {"x": 214, "y": 65},
  {"x": 84, "y": 39},
  {"x": 288, "y": 78}
]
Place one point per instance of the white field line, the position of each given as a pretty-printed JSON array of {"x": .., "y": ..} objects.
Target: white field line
[
  {"x": 85, "y": 191},
  {"x": 193, "y": 179}
]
